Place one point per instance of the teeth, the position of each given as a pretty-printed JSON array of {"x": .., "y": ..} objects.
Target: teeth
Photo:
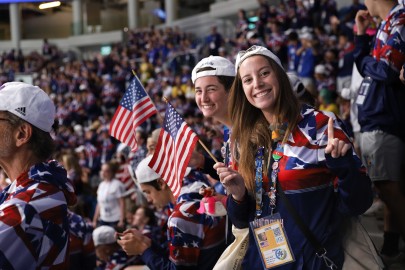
[
  {"x": 208, "y": 106},
  {"x": 261, "y": 94}
]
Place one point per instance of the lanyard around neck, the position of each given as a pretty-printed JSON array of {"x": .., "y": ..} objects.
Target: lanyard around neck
[{"x": 276, "y": 156}]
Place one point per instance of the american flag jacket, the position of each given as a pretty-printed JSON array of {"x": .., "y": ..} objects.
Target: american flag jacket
[
  {"x": 382, "y": 95},
  {"x": 34, "y": 229},
  {"x": 195, "y": 240},
  {"x": 322, "y": 189}
]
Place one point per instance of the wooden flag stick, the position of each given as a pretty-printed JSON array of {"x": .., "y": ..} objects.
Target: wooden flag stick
[
  {"x": 201, "y": 142},
  {"x": 207, "y": 150}
]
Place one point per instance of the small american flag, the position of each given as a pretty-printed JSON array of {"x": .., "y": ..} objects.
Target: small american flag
[
  {"x": 135, "y": 107},
  {"x": 173, "y": 150}
]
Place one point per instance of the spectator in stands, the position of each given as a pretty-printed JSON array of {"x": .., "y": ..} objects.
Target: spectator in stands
[
  {"x": 110, "y": 256},
  {"x": 323, "y": 79},
  {"x": 34, "y": 206},
  {"x": 143, "y": 218},
  {"x": 263, "y": 101},
  {"x": 125, "y": 175},
  {"x": 152, "y": 141},
  {"x": 381, "y": 110},
  {"x": 195, "y": 240},
  {"x": 242, "y": 25},
  {"x": 106, "y": 144},
  {"x": 75, "y": 174},
  {"x": 110, "y": 209},
  {"x": 214, "y": 41},
  {"x": 307, "y": 62},
  {"x": 276, "y": 41},
  {"x": 327, "y": 101},
  {"x": 46, "y": 49},
  {"x": 140, "y": 153},
  {"x": 263, "y": 15},
  {"x": 213, "y": 77},
  {"x": 81, "y": 245},
  {"x": 346, "y": 61},
  {"x": 351, "y": 93},
  {"x": 293, "y": 44}
]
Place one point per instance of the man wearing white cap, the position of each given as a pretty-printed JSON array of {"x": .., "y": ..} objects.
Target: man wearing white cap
[
  {"x": 34, "y": 231},
  {"x": 195, "y": 240}
]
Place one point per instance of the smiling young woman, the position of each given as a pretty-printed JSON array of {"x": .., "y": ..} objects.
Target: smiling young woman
[{"x": 282, "y": 144}]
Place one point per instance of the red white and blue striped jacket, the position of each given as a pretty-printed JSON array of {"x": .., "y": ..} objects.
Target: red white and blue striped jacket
[
  {"x": 34, "y": 229},
  {"x": 322, "y": 189}
]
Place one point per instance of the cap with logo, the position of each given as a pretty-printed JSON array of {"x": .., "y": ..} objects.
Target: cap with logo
[
  {"x": 217, "y": 66},
  {"x": 29, "y": 103}
]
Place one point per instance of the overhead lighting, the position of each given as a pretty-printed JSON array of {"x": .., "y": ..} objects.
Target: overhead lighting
[{"x": 49, "y": 5}]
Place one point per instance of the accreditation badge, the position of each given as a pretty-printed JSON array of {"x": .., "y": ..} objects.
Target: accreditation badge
[
  {"x": 271, "y": 241},
  {"x": 363, "y": 90}
]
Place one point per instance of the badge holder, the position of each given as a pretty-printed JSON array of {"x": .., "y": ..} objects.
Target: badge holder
[
  {"x": 363, "y": 90},
  {"x": 271, "y": 241}
]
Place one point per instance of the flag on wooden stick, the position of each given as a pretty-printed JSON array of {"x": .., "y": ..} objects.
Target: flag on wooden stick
[
  {"x": 173, "y": 150},
  {"x": 135, "y": 108}
]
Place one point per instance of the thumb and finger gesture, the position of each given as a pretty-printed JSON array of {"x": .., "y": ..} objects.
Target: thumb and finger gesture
[{"x": 335, "y": 147}]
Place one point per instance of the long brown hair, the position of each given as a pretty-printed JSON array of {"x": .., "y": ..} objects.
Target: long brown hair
[{"x": 250, "y": 128}]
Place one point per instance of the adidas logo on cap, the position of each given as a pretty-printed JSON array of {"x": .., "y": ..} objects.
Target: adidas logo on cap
[{"x": 21, "y": 110}]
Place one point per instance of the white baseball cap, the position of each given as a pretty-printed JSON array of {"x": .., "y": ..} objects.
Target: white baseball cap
[
  {"x": 306, "y": 35},
  {"x": 144, "y": 173},
  {"x": 104, "y": 235},
  {"x": 220, "y": 67},
  {"x": 321, "y": 69},
  {"x": 255, "y": 50},
  {"x": 29, "y": 103}
]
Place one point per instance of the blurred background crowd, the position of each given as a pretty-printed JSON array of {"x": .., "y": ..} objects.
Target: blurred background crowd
[{"x": 314, "y": 41}]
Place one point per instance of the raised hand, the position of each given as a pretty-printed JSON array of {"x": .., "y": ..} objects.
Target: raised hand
[
  {"x": 363, "y": 20},
  {"x": 337, "y": 148},
  {"x": 231, "y": 180}
]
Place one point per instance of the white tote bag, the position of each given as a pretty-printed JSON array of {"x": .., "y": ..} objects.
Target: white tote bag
[{"x": 233, "y": 255}]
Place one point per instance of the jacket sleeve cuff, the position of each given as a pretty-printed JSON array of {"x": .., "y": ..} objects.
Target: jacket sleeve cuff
[{"x": 238, "y": 211}]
